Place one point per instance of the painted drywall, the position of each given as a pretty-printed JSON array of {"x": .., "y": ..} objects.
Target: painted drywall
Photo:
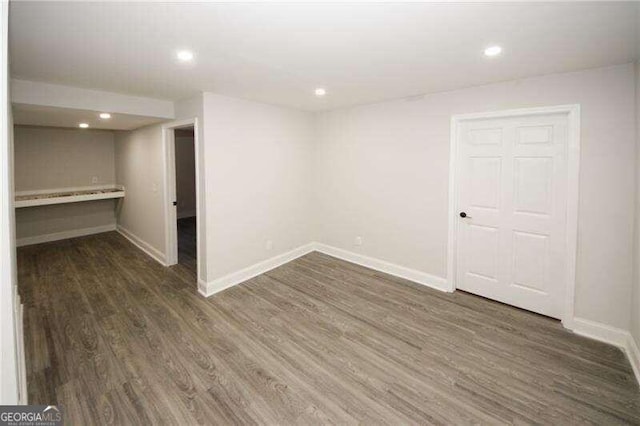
[
  {"x": 258, "y": 170},
  {"x": 52, "y": 158},
  {"x": 382, "y": 174},
  {"x": 185, "y": 173},
  {"x": 40, "y": 221},
  {"x": 635, "y": 296},
  {"x": 139, "y": 165},
  {"x": 56, "y": 158},
  {"x": 9, "y": 349},
  {"x": 54, "y": 95}
]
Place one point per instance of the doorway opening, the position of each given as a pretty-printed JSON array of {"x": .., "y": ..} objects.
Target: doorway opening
[
  {"x": 186, "y": 213},
  {"x": 183, "y": 228}
]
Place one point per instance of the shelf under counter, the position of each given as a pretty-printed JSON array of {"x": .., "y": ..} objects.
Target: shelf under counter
[{"x": 44, "y": 198}]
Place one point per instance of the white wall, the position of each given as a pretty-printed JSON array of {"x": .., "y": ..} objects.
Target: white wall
[
  {"x": 51, "y": 158},
  {"x": 54, "y": 222},
  {"x": 56, "y": 158},
  {"x": 139, "y": 159},
  {"x": 258, "y": 172},
  {"x": 185, "y": 173},
  {"x": 54, "y": 95},
  {"x": 383, "y": 175},
  {"x": 635, "y": 297},
  {"x": 381, "y": 172},
  {"x": 9, "y": 353}
]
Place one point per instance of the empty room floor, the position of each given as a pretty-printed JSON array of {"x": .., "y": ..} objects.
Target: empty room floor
[{"x": 114, "y": 337}]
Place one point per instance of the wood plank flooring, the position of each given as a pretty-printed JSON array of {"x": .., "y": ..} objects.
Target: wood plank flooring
[
  {"x": 118, "y": 339},
  {"x": 187, "y": 245}
]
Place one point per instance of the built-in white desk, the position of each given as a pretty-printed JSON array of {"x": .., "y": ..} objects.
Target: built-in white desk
[{"x": 43, "y": 198}]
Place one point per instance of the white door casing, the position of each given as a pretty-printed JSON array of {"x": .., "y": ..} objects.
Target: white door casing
[
  {"x": 171, "y": 215},
  {"x": 514, "y": 174}
]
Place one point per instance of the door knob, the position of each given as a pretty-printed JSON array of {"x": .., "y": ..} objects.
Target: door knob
[{"x": 463, "y": 214}]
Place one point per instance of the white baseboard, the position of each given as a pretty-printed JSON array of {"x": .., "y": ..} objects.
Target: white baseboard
[
  {"x": 416, "y": 276},
  {"x": 212, "y": 287},
  {"x": 64, "y": 235},
  {"x": 633, "y": 353},
  {"x": 613, "y": 336},
  {"x": 219, "y": 284},
  {"x": 202, "y": 287},
  {"x": 602, "y": 332},
  {"x": 143, "y": 245}
]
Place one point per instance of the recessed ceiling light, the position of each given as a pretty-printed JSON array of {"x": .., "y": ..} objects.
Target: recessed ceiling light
[
  {"x": 83, "y": 125},
  {"x": 320, "y": 91},
  {"x": 185, "y": 55},
  {"x": 105, "y": 115},
  {"x": 493, "y": 51}
]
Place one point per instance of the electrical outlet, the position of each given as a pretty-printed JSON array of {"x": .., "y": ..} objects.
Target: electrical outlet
[
  {"x": 269, "y": 245},
  {"x": 358, "y": 241},
  {"x": 94, "y": 179}
]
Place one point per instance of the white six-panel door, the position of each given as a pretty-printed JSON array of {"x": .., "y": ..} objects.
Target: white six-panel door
[{"x": 512, "y": 175}]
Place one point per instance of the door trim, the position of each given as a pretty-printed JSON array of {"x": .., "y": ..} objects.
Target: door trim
[
  {"x": 573, "y": 187},
  {"x": 171, "y": 230}
]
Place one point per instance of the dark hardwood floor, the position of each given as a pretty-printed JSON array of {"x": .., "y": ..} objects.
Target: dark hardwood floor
[{"x": 118, "y": 339}]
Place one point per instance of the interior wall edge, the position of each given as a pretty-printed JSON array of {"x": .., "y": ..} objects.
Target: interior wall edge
[
  {"x": 219, "y": 284},
  {"x": 613, "y": 336},
  {"x": 396, "y": 270},
  {"x": 632, "y": 349},
  {"x": 140, "y": 168},
  {"x": 154, "y": 253},
  {"x": 599, "y": 331},
  {"x": 277, "y": 148}
]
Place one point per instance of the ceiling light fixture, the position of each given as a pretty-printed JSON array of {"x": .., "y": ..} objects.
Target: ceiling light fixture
[
  {"x": 493, "y": 51},
  {"x": 105, "y": 115},
  {"x": 185, "y": 55},
  {"x": 320, "y": 91},
  {"x": 83, "y": 125}
]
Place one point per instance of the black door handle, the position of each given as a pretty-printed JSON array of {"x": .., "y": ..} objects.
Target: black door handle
[
  {"x": 175, "y": 203},
  {"x": 463, "y": 214}
]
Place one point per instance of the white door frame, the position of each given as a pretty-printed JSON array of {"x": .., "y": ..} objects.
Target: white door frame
[
  {"x": 170, "y": 214},
  {"x": 573, "y": 182}
]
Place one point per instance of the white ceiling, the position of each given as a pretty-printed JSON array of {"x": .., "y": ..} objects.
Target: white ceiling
[
  {"x": 278, "y": 53},
  {"x": 35, "y": 115}
]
